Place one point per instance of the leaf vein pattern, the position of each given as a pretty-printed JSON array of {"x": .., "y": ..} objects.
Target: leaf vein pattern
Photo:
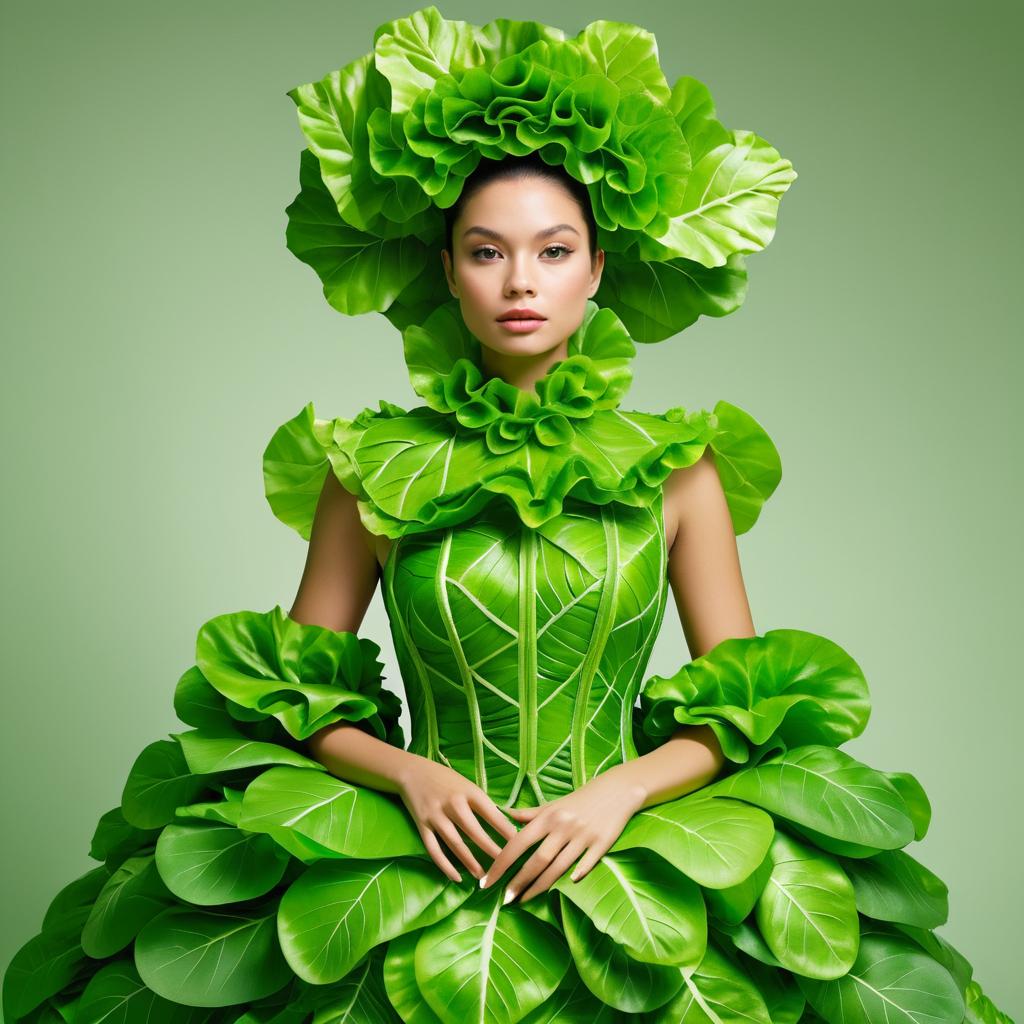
[{"x": 476, "y": 725}]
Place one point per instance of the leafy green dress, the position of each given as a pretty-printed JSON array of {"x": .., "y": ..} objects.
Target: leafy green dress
[{"x": 239, "y": 881}]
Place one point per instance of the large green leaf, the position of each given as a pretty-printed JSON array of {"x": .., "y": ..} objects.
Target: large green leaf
[
  {"x": 116, "y": 994},
  {"x": 198, "y": 704},
  {"x": 115, "y": 839},
  {"x": 159, "y": 782},
  {"x": 303, "y": 675},
  {"x": 400, "y": 979},
  {"x": 415, "y": 51},
  {"x": 345, "y": 818},
  {"x": 714, "y": 992},
  {"x": 938, "y": 948},
  {"x": 732, "y": 904},
  {"x": 361, "y": 272},
  {"x": 336, "y": 911},
  {"x": 716, "y": 842},
  {"x": 207, "y": 958},
  {"x": 628, "y": 58},
  {"x": 744, "y": 936},
  {"x": 763, "y": 694},
  {"x": 659, "y": 298},
  {"x": 224, "y": 750},
  {"x": 333, "y": 114},
  {"x": 806, "y": 912},
  {"x": 893, "y": 886},
  {"x": 918, "y": 805},
  {"x": 44, "y": 965},
  {"x": 133, "y": 895},
  {"x": 731, "y": 203},
  {"x": 781, "y": 994},
  {"x": 610, "y": 973},
  {"x": 647, "y": 906},
  {"x": 892, "y": 981},
  {"x": 487, "y": 963},
  {"x": 208, "y": 863},
  {"x": 572, "y": 1003},
  {"x": 826, "y": 789},
  {"x": 359, "y": 996},
  {"x": 226, "y": 811}
]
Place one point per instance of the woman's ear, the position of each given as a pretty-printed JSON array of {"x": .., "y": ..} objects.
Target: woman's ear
[
  {"x": 449, "y": 273},
  {"x": 596, "y": 269}
]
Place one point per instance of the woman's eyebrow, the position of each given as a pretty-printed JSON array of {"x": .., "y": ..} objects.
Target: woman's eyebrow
[{"x": 489, "y": 233}]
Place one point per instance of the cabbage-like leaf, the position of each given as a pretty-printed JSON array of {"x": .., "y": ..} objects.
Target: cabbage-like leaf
[
  {"x": 716, "y": 842},
  {"x": 133, "y": 895},
  {"x": 208, "y": 864},
  {"x": 159, "y": 782},
  {"x": 659, "y": 298},
  {"x": 715, "y": 992},
  {"x": 361, "y": 272},
  {"x": 648, "y": 907},
  {"x": 343, "y": 818},
  {"x": 892, "y": 979},
  {"x": 827, "y": 789},
  {"x": 488, "y": 963},
  {"x": 117, "y": 993},
  {"x": 337, "y": 910},
  {"x": 304, "y": 675},
  {"x": 807, "y": 912},
  {"x": 893, "y": 886},
  {"x": 227, "y": 750},
  {"x": 610, "y": 972},
  {"x": 209, "y": 958}
]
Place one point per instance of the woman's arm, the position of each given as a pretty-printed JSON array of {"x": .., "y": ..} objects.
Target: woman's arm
[
  {"x": 336, "y": 588},
  {"x": 704, "y": 571}
]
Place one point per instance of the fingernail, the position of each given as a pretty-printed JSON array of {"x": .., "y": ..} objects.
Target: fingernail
[
  {"x": 483, "y": 880},
  {"x": 510, "y": 895}
]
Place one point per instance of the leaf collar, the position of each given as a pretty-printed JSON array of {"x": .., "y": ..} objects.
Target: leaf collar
[{"x": 445, "y": 368}]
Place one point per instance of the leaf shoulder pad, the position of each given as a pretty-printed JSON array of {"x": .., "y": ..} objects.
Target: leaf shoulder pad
[{"x": 419, "y": 470}]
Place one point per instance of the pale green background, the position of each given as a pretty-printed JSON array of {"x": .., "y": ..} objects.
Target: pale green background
[{"x": 157, "y": 331}]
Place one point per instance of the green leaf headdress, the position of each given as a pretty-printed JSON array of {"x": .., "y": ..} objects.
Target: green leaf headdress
[{"x": 678, "y": 198}]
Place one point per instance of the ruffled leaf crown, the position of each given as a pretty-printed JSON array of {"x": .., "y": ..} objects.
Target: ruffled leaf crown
[{"x": 679, "y": 200}]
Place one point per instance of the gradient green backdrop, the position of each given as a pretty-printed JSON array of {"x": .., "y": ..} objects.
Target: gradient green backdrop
[{"x": 157, "y": 332}]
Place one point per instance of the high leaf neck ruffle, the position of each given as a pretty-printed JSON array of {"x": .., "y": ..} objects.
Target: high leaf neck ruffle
[{"x": 446, "y": 370}]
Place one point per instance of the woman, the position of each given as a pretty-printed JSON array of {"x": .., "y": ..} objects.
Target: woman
[
  {"x": 707, "y": 854},
  {"x": 522, "y": 235}
]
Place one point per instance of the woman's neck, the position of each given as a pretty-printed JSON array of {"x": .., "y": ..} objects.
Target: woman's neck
[{"x": 521, "y": 371}]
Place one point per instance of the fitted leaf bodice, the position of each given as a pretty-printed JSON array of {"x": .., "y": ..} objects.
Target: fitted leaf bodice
[{"x": 522, "y": 649}]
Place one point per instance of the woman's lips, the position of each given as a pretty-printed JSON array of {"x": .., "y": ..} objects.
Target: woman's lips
[{"x": 519, "y": 325}]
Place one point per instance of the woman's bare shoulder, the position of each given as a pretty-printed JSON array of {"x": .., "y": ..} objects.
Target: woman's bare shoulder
[
  {"x": 341, "y": 570},
  {"x": 691, "y": 490}
]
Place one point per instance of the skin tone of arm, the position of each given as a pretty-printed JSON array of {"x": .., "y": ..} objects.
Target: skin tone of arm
[
  {"x": 337, "y": 585},
  {"x": 704, "y": 572}
]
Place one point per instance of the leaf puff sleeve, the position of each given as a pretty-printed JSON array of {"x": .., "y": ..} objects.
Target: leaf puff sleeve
[
  {"x": 268, "y": 666},
  {"x": 761, "y": 695}
]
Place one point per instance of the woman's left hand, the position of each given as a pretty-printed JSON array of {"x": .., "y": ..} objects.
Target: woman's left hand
[{"x": 588, "y": 819}]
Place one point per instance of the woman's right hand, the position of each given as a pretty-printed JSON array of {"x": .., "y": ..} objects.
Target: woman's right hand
[{"x": 441, "y": 802}]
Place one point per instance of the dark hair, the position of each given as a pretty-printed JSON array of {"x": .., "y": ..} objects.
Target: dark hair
[{"x": 520, "y": 167}]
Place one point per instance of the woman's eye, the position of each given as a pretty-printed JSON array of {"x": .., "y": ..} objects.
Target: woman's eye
[{"x": 487, "y": 253}]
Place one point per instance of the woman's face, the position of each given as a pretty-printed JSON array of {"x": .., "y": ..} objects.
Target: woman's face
[{"x": 521, "y": 244}]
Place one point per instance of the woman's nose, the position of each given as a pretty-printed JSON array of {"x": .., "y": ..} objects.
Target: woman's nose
[{"x": 518, "y": 281}]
